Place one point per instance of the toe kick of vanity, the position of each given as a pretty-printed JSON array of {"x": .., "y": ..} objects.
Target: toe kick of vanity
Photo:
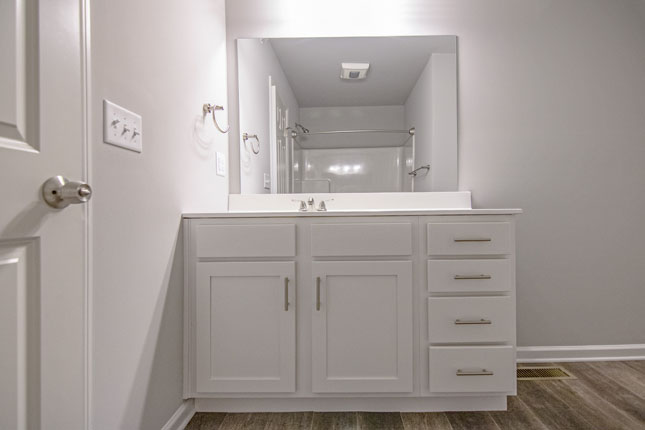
[{"x": 384, "y": 313}]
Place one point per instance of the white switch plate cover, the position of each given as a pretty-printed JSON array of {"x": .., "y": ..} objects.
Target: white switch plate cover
[
  {"x": 267, "y": 181},
  {"x": 220, "y": 166},
  {"x": 122, "y": 127}
]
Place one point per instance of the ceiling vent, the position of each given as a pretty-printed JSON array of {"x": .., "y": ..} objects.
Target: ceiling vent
[{"x": 354, "y": 71}]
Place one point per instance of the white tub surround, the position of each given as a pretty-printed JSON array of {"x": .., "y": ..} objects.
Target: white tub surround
[{"x": 403, "y": 310}]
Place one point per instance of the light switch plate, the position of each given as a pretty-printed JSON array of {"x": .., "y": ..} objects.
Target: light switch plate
[
  {"x": 267, "y": 181},
  {"x": 220, "y": 166},
  {"x": 121, "y": 127}
]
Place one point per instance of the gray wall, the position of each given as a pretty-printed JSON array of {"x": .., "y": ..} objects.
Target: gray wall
[
  {"x": 162, "y": 60},
  {"x": 551, "y": 104},
  {"x": 259, "y": 65}
]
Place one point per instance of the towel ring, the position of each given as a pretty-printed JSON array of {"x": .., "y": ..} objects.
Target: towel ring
[
  {"x": 246, "y": 136},
  {"x": 416, "y": 171},
  {"x": 209, "y": 108}
]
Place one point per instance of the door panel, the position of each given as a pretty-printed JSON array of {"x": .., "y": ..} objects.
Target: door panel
[
  {"x": 19, "y": 75},
  {"x": 43, "y": 269},
  {"x": 19, "y": 335},
  {"x": 245, "y": 329},
  {"x": 362, "y": 327}
]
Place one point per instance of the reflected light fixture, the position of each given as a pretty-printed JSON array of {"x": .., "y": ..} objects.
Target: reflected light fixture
[{"x": 354, "y": 71}]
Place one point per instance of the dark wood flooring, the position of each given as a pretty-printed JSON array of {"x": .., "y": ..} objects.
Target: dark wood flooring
[{"x": 606, "y": 395}]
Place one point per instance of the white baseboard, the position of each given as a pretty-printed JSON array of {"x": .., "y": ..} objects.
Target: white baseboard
[
  {"x": 364, "y": 404},
  {"x": 180, "y": 419},
  {"x": 542, "y": 354}
]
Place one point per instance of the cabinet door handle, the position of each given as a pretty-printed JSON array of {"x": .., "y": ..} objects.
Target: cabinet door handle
[
  {"x": 318, "y": 293},
  {"x": 482, "y": 372},
  {"x": 286, "y": 294},
  {"x": 460, "y": 277},
  {"x": 488, "y": 239},
  {"x": 472, "y": 322}
]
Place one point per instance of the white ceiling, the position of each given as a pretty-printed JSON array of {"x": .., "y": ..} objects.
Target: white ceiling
[{"x": 312, "y": 67}]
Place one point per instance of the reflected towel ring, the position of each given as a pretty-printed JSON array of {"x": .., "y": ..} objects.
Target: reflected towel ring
[
  {"x": 246, "y": 136},
  {"x": 209, "y": 108},
  {"x": 416, "y": 171}
]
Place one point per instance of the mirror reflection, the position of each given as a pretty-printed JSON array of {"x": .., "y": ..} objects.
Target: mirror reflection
[{"x": 346, "y": 115}]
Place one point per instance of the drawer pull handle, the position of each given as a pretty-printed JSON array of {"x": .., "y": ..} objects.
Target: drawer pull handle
[
  {"x": 482, "y": 372},
  {"x": 460, "y": 277},
  {"x": 473, "y": 322},
  {"x": 286, "y": 294},
  {"x": 318, "y": 293},
  {"x": 474, "y": 240}
]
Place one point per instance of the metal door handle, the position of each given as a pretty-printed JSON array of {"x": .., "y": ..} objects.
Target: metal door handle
[
  {"x": 473, "y": 240},
  {"x": 286, "y": 294},
  {"x": 482, "y": 372},
  {"x": 318, "y": 293},
  {"x": 473, "y": 322},
  {"x": 59, "y": 192},
  {"x": 460, "y": 277}
]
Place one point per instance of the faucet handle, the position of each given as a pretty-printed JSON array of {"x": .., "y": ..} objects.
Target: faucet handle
[
  {"x": 303, "y": 205},
  {"x": 322, "y": 207}
]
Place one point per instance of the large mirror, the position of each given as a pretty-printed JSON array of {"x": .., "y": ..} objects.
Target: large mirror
[{"x": 348, "y": 115}]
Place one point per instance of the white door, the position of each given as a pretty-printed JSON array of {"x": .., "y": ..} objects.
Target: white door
[
  {"x": 246, "y": 327},
  {"x": 362, "y": 327},
  {"x": 42, "y": 250},
  {"x": 279, "y": 141}
]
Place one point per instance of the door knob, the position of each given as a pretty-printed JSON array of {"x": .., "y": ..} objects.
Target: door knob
[{"x": 59, "y": 192}]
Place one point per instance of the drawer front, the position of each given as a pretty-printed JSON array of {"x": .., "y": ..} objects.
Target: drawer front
[
  {"x": 465, "y": 276},
  {"x": 364, "y": 239},
  {"x": 474, "y": 238},
  {"x": 472, "y": 369},
  {"x": 470, "y": 319},
  {"x": 265, "y": 240}
]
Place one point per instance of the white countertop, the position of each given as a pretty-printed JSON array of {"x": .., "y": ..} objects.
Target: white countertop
[{"x": 341, "y": 213}]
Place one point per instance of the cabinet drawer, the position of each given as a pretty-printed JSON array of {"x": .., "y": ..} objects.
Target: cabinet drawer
[
  {"x": 474, "y": 238},
  {"x": 470, "y": 319},
  {"x": 364, "y": 239},
  {"x": 463, "y": 276},
  {"x": 472, "y": 369},
  {"x": 265, "y": 240}
]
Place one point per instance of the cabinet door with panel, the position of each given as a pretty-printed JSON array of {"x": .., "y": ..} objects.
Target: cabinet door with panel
[
  {"x": 362, "y": 327},
  {"x": 245, "y": 327}
]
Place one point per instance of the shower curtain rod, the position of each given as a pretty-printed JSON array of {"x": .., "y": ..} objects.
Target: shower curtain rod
[{"x": 296, "y": 134}]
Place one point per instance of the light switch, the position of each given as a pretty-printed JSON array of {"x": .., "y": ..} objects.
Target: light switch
[
  {"x": 267, "y": 181},
  {"x": 121, "y": 127},
  {"x": 220, "y": 166}
]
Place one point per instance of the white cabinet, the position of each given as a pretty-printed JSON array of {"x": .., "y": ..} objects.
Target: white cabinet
[
  {"x": 470, "y": 319},
  {"x": 384, "y": 313},
  {"x": 245, "y": 327},
  {"x": 472, "y": 369},
  {"x": 362, "y": 327},
  {"x": 471, "y": 306}
]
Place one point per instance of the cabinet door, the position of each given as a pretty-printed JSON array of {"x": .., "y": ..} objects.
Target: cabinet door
[
  {"x": 362, "y": 327},
  {"x": 246, "y": 327}
]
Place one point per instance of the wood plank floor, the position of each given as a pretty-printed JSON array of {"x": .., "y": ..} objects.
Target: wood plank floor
[{"x": 606, "y": 395}]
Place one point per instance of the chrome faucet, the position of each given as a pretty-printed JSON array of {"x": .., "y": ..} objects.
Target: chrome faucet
[
  {"x": 310, "y": 202},
  {"x": 303, "y": 205},
  {"x": 322, "y": 207}
]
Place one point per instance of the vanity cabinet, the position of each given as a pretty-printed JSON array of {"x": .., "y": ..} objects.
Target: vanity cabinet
[
  {"x": 328, "y": 312},
  {"x": 470, "y": 307},
  {"x": 362, "y": 327},
  {"x": 245, "y": 327}
]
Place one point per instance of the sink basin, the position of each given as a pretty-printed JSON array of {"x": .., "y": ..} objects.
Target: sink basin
[{"x": 344, "y": 202}]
